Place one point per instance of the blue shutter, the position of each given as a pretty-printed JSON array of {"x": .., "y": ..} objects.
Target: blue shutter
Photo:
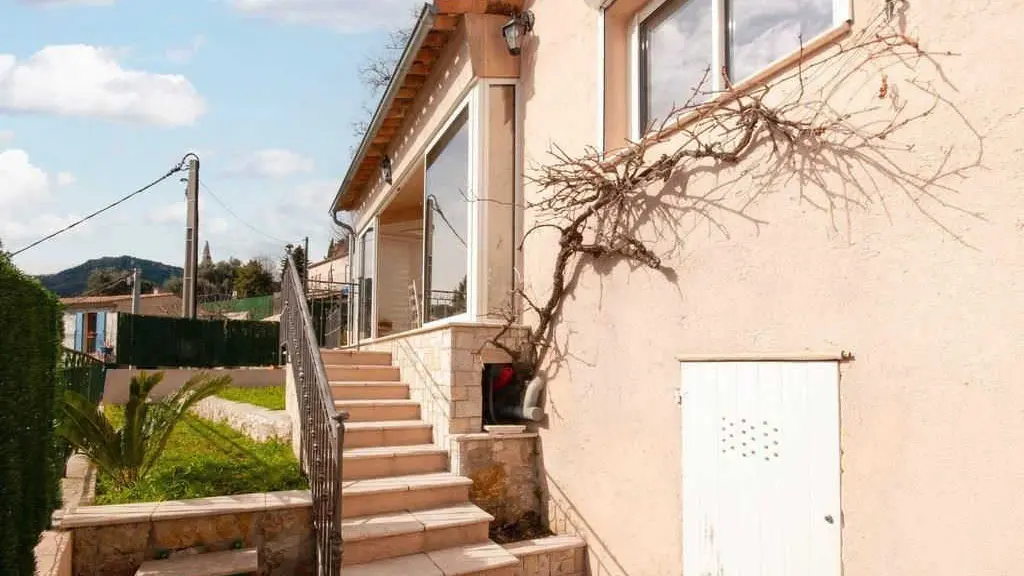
[
  {"x": 80, "y": 331},
  {"x": 101, "y": 330}
]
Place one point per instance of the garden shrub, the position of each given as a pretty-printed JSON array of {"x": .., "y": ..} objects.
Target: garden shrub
[{"x": 30, "y": 462}]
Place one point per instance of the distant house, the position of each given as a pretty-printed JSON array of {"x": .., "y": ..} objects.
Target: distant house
[{"x": 90, "y": 322}]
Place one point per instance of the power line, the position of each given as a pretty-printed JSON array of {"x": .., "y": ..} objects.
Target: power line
[
  {"x": 169, "y": 173},
  {"x": 237, "y": 217},
  {"x": 102, "y": 288}
]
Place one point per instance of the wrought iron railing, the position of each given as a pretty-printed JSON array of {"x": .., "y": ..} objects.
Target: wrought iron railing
[{"x": 322, "y": 427}]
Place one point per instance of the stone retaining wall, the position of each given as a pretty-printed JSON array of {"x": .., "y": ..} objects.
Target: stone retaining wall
[
  {"x": 116, "y": 540},
  {"x": 553, "y": 556},
  {"x": 504, "y": 473},
  {"x": 256, "y": 422}
]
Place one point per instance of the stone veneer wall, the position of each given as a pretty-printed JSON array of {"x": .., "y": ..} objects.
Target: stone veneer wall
[
  {"x": 504, "y": 473},
  {"x": 552, "y": 556},
  {"x": 443, "y": 368},
  {"x": 116, "y": 540}
]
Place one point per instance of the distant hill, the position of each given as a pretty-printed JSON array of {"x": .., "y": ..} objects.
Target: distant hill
[{"x": 72, "y": 282}]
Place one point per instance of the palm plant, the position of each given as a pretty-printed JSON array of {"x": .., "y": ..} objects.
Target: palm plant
[{"x": 127, "y": 453}]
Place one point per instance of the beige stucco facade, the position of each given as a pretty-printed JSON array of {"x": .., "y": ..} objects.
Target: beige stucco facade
[
  {"x": 919, "y": 280},
  {"x": 930, "y": 407}
]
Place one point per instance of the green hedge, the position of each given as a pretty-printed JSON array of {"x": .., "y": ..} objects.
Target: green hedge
[
  {"x": 259, "y": 307},
  {"x": 30, "y": 461},
  {"x": 161, "y": 342}
]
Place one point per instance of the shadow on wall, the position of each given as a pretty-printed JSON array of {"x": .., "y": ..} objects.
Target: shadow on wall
[{"x": 563, "y": 517}]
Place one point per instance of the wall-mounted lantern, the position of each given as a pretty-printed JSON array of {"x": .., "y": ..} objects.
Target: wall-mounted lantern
[
  {"x": 515, "y": 29},
  {"x": 385, "y": 168}
]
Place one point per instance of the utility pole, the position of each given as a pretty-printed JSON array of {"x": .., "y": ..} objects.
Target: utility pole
[
  {"x": 188, "y": 281},
  {"x": 136, "y": 290},
  {"x": 305, "y": 267}
]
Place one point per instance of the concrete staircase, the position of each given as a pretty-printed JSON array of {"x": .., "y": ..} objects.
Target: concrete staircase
[{"x": 404, "y": 513}]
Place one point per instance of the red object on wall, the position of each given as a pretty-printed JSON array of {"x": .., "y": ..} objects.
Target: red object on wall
[{"x": 505, "y": 377}]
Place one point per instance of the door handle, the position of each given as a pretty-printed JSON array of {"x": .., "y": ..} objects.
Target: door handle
[{"x": 829, "y": 519}]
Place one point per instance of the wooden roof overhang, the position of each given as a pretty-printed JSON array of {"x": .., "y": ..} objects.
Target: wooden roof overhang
[{"x": 435, "y": 26}]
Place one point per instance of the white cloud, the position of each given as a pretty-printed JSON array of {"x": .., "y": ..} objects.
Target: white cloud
[
  {"x": 83, "y": 80},
  {"x": 23, "y": 182},
  {"x": 65, "y": 178},
  {"x": 6, "y": 136},
  {"x": 272, "y": 163},
  {"x": 214, "y": 226},
  {"x": 168, "y": 213},
  {"x": 342, "y": 15},
  {"x": 183, "y": 54},
  {"x": 26, "y": 188}
]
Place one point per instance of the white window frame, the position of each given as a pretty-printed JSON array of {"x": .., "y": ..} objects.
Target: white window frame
[
  {"x": 373, "y": 225},
  {"x": 481, "y": 255},
  {"x": 842, "y": 11}
]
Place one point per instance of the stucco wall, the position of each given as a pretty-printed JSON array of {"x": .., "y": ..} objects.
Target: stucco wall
[
  {"x": 931, "y": 407},
  {"x": 115, "y": 390}
]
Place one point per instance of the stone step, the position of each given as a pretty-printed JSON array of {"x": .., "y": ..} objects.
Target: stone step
[
  {"x": 393, "y": 534},
  {"x": 369, "y": 390},
  {"x": 379, "y": 410},
  {"x": 210, "y": 564},
  {"x": 484, "y": 559},
  {"x": 361, "y": 373},
  {"x": 398, "y": 493},
  {"x": 385, "y": 461},
  {"x": 387, "y": 433},
  {"x": 361, "y": 357}
]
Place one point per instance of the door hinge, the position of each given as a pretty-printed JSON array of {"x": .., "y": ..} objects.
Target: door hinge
[{"x": 678, "y": 395}]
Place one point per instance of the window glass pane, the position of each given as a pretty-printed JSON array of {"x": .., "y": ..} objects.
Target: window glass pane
[
  {"x": 447, "y": 202},
  {"x": 675, "y": 54},
  {"x": 368, "y": 252},
  {"x": 762, "y": 31}
]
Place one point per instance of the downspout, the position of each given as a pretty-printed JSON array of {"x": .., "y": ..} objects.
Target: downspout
[{"x": 351, "y": 244}]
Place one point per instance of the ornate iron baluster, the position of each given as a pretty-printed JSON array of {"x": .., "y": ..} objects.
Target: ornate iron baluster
[{"x": 322, "y": 427}]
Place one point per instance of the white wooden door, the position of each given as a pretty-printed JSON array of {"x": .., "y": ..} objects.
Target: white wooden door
[{"x": 761, "y": 469}]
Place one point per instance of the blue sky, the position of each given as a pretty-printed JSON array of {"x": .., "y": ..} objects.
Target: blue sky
[{"x": 99, "y": 97}]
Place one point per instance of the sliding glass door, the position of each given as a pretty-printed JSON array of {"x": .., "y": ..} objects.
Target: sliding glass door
[{"x": 446, "y": 205}]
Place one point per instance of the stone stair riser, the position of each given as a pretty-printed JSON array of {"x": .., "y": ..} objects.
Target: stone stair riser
[
  {"x": 375, "y": 413},
  {"x": 362, "y": 551},
  {"x": 388, "y": 437},
  {"x": 355, "y": 358},
  {"x": 341, "y": 373},
  {"x": 354, "y": 505},
  {"x": 389, "y": 465},
  {"x": 384, "y": 392}
]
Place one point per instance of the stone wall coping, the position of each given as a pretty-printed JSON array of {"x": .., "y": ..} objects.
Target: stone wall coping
[
  {"x": 136, "y": 513},
  {"x": 476, "y": 436},
  {"x": 544, "y": 545},
  {"x": 431, "y": 328}
]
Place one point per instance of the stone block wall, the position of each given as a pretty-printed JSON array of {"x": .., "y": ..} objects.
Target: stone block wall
[
  {"x": 256, "y": 422},
  {"x": 116, "y": 540},
  {"x": 443, "y": 367},
  {"x": 503, "y": 469},
  {"x": 552, "y": 556}
]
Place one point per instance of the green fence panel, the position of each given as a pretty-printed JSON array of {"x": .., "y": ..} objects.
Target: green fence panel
[{"x": 160, "y": 342}]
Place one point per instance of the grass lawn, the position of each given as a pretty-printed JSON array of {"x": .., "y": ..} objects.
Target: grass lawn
[
  {"x": 270, "y": 397},
  {"x": 207, "y": 459}
]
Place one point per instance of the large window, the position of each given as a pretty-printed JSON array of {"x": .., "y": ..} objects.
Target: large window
[
  {"x": 446, "y": 206},
  {"x": 367, "y": 271},
  {"x": 684, "y": 42}
]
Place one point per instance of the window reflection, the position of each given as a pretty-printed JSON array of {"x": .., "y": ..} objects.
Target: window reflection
[
  {"x": 762, "y": 31},
  {"x": 447, "y": 217},
  {"x": 675, "y": 56}
]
